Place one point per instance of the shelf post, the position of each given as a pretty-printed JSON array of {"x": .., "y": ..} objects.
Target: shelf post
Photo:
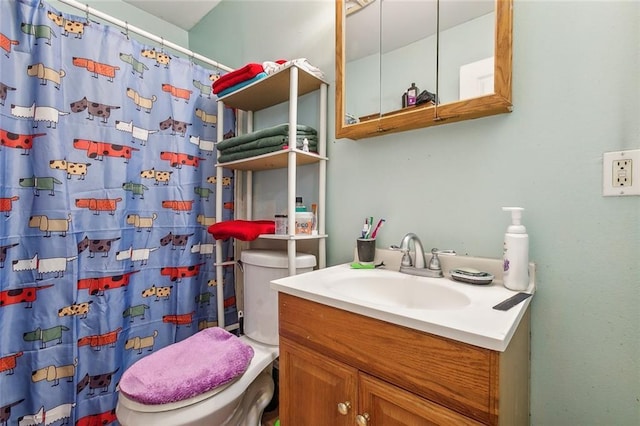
[
  {"x": 291, "y": 168},
  {"x": 322, "y": 177},
  {"x": 219, "y": 267}
]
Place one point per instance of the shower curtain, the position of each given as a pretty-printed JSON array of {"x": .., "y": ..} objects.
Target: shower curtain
[{"x": 107, "y": 168}]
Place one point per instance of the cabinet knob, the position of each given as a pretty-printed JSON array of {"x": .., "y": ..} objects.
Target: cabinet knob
[
  {"x": 343, "y": 407},
  {"x": 362, "y": 419}
]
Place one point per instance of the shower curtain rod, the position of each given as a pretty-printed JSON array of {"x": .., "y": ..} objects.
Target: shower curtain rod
[{"x": 132, "y": 28}]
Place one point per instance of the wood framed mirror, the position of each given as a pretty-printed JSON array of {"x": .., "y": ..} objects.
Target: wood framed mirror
[{"x": 493, "y": 73}]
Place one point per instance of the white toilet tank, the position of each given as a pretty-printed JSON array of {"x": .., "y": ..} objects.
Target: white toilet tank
[{"x": 260, "y": 301}]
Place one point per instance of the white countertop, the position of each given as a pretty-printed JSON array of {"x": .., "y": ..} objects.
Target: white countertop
[{"x": 477, "y": 323}]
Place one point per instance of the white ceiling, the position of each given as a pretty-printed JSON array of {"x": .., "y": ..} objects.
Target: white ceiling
[{"x": 181, "y": 13}]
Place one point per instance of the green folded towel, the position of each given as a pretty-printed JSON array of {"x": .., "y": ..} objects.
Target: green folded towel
[
  {"x": 268, "y": 141},
  {"x": 224, "y": 158},
  {"x": 281, "y": 129}
]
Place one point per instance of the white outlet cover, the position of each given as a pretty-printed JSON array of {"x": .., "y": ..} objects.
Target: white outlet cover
[{"x": 608, "y": 178}]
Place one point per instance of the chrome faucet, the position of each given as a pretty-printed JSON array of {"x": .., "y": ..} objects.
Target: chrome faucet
[
  {"x": 419, "y": 267},
  {"x": 404, "y": 248}
]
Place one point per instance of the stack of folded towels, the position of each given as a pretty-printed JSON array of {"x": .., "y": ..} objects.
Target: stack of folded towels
[
  {"x": 237, "y": 79},
  {"x": 267, "y": 140}
]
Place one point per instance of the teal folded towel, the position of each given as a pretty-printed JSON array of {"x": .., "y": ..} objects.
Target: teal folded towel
[
  {"x": 269, "y": 141},
  {"x": 281, "y": 129}
]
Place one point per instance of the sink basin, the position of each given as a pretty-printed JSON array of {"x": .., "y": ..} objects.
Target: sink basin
[
  {"x": 439, "y": 306},
  {"x": 399, "y": 290}
]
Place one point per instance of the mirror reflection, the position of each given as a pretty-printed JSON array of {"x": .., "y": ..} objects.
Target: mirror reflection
[
  {"x": 466, "y": 54},
  {"x": 408, "y": 54},
  {"x": 363, "y": 50},
  {"x": 455, "y": 52},
  {"x": 393, "y": 47}
]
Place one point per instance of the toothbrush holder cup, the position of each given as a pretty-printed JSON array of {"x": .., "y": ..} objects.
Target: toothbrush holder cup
[{"x": 366, "y": 248}]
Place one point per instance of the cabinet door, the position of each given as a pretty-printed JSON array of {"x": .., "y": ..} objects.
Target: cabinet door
[
  {"x": 312, "y": 387},
  {"x": 388, "y": 405}
]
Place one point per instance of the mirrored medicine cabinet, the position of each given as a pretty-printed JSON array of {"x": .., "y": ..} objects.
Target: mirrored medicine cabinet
[{"x": 457, "y": 52}]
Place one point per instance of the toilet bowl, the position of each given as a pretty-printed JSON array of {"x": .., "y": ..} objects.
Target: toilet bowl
[{"x": 242, "y": 401}]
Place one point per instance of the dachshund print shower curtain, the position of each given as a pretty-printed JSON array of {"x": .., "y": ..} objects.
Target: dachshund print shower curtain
[{"x": 107, "y": 187}]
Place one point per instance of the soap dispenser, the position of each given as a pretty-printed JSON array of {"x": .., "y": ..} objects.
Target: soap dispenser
[{"x": 516, "y": 252}]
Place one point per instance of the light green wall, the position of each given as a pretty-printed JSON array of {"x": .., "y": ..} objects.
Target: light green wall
[{"x": 576, "y": 92}]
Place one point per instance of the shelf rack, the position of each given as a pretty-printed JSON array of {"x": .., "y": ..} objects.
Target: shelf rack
[{"x": 286, "y": 85}]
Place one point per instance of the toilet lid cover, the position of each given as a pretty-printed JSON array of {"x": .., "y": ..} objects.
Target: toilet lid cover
[{"x": 197, "y": 364}]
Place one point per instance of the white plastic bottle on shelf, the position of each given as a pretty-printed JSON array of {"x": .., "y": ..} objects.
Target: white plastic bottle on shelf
[{"x": 516, "y": 252}]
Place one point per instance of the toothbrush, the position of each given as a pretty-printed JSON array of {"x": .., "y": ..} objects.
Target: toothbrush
[
  {"x": 378, "y": 226},
  {"x": 368, "y": 234},
  {"x": 365, "y": 227}
]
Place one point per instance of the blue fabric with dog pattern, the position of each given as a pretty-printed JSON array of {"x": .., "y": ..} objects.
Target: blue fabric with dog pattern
[{"x": 107, "y": 172}]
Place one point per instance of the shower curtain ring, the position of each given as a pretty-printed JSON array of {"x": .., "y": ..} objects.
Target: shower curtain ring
[
  {"x": 87, "y": 10},
  {"x": 126, "y": 29},
  {"x": 162, "y": 44}
]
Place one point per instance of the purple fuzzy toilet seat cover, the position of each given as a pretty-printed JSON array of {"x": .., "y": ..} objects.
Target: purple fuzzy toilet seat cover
[{"x": 197, "y": 364}]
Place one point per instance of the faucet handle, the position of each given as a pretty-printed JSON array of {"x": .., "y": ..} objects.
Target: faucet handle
[
  {"x": 434, "y": 263},
  {"x": 406, "y": 257},
  {"x": 438, "y": 251}
]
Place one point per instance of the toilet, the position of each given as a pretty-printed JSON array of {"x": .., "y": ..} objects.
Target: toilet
[{"x": 240, "y": 402}]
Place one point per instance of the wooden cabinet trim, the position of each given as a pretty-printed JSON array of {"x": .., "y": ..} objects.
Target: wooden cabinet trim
[
  {"x": 513, "y": 378},
  {"x": 387, "y": 404}
]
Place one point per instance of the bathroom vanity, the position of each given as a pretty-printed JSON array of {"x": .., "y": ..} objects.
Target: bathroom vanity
[{"x": 345, "y": 362}]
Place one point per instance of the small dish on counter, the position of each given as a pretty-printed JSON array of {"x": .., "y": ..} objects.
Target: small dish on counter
[{"x": 471, "y": 276}]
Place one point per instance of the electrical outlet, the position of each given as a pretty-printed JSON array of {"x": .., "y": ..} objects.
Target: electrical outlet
[{"x": 621, "y": 173}]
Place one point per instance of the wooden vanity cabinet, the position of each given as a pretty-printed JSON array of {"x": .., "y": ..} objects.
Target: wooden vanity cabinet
[
  {"x": 314, "y": 386},
  {"x": 396, "y": 375}
]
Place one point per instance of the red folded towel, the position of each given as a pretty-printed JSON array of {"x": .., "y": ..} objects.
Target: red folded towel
[
  {"x": 237, "y": 76},
  {"x": 245, "y": 230}
]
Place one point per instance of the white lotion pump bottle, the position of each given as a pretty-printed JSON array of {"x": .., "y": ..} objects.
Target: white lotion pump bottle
[{"x": 516, "y": 252}]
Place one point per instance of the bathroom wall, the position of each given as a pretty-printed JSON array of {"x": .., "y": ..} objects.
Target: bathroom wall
[{"x": 576, "y": 94}]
